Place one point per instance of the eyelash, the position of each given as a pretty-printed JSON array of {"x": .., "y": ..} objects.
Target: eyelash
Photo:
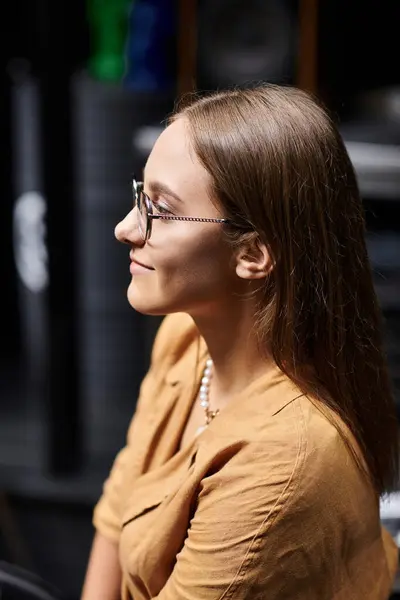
[{"x": 163, "y": 210}]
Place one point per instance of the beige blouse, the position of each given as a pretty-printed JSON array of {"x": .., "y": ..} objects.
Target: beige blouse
[{"x": 266, "y": 504}]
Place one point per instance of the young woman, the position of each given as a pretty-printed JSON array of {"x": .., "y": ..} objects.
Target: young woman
[{"x": 265, "y": 431}]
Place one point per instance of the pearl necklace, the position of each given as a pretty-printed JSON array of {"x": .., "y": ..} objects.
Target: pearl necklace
[{"x": 204, "y": 393}]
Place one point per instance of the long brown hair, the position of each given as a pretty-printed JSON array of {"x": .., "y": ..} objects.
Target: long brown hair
[{"x": 280, "y": 168}]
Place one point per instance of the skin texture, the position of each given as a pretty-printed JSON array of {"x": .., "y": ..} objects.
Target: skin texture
[{"x": 103, "y": 575}]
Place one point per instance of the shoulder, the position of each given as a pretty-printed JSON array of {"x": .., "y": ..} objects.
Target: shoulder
[
  {"x": 328, "y": 473},
  {"x": 300, "y": 454},
  {"x": 327, "y": 437},
  {"x": 327, "y": 448}
]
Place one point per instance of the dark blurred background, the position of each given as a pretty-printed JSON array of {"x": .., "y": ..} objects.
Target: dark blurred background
[{"x": 84, "y": 89}]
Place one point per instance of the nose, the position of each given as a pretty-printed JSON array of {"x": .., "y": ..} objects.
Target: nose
[{"x": 127, "y": 230}]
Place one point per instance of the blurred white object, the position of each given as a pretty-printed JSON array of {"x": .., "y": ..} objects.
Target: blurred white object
[
  {"x": 377, "y": 167},
  {"x": 390, "y": 506},
  {"x": 30, "y": 250}
]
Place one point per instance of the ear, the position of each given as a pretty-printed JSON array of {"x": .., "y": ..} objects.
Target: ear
[{"x": 253, "y": 260}]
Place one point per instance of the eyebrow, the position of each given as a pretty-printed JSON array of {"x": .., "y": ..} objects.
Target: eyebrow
[{"x": 157, "y": 187}]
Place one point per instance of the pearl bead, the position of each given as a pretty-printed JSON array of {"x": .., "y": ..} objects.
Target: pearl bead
[{"x": 204, "y": 393}]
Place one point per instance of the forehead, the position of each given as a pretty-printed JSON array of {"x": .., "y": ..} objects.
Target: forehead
[{"x": 174, "y": 162}]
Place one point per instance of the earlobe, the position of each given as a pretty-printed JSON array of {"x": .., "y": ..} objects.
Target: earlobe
[{"x": 254, "y": 261}]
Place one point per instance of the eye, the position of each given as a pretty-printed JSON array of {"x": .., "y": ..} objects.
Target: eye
[{"x": 160, "y": 209}]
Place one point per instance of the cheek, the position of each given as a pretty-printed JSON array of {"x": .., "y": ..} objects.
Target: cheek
[
  {"x": 200, "y": 259},
  {"x": 190, "y": 270}
]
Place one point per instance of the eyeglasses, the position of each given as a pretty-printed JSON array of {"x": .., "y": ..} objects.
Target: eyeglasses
[{"x": 146, "y": 214}]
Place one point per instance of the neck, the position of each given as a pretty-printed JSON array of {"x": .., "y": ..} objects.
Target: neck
[{"x": 233, "y": 347}]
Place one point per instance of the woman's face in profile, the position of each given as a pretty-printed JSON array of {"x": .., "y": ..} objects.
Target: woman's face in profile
[{"x": 189, "y": 264}]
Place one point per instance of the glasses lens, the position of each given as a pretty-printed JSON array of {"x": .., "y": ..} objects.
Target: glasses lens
[
  {"x": 143, "y": 215},
  {"x": 142, "y": 210}
]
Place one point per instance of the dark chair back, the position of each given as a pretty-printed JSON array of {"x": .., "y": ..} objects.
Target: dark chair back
[{"x": 19, "y": 584}]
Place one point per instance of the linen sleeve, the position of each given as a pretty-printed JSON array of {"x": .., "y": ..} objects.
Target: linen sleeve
[{"x": 106, "y": 514}]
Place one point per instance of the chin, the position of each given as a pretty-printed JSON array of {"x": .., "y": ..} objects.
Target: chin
[
  {"x": 156, "y": 300},
  {"x": 146, "y": 308},
  {"x": 147, "y": 304}
]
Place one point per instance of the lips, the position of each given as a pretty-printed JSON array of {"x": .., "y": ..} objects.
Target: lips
[{"x": 135, "y": 260}]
